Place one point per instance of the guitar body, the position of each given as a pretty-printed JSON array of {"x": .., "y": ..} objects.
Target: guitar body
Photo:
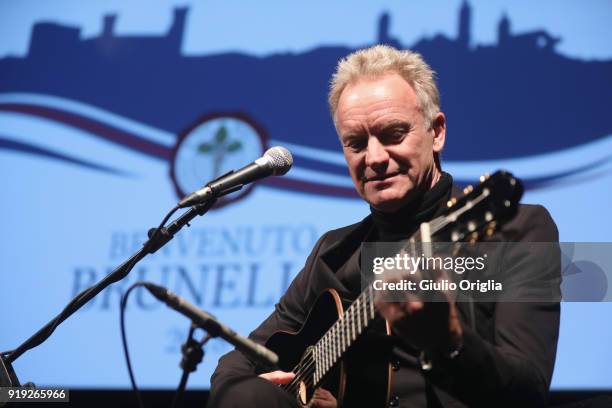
[{"x": 363, "y": 376}]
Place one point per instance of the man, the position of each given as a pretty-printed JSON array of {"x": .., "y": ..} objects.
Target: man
[{"x": 386, "y": 109}]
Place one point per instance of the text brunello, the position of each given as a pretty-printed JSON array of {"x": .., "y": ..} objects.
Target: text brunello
[
  {"x": 217, "y": 267},
  {"x": 214, "y": 284}
]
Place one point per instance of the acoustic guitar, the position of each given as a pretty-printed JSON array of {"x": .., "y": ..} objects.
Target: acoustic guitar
[{"x": 339, "y": 346}]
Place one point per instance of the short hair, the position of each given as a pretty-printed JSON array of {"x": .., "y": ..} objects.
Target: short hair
[{"x": 383, "y": 59}]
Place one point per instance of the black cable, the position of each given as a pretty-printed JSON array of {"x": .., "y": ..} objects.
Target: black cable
[
  {"x": 124, "y": 299},
  {"x": 156, "y": 233},
  {"x": 192, "y": 351}
]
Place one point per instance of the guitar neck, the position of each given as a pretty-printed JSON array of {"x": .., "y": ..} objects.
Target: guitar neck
[
  {"x": 343, "y": 334},
  {"x": 355, "y": 320}
]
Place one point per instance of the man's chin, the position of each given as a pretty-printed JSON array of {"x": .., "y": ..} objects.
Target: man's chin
[
  {"x": 389, "y": 200},
  {"x": 389, "y": 204}
]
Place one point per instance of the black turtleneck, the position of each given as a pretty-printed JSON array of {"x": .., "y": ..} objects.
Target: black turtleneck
[
  {"x": 399, "y": 225},
  {"x": 402, "y": 223}
]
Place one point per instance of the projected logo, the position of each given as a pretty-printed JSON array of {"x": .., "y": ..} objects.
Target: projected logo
[
  {"x": 559, "y": 133},
  {"x": 215, "y": 145}
]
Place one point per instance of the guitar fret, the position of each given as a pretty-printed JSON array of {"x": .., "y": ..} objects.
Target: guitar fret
[
  {"x": 352, "y": 326},
  {"x": 342, "y": 330},
  {"x": 325, "y": 349},
  {"x": 358, "y": 314},
  {"x": 364, "y": 308},
  {"x": 371, "y": 303},
  {"x": 353, "y": 319},
  {"x": 328, "y": 351},
  {"x": 322, "y": 355},
  {"x": 347, "y": 328},
  {"x": 322, "y": 362},
  {"x": 342, "y": 339},
  {"x": 331, "y": 348},
  {"x": 316, "y": 361},
  {"x": 349, "y": 324},
  {"x": 335, "y": 344}
]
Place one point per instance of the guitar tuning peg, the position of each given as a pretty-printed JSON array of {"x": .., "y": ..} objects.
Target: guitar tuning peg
[
  {"x": 451, "y": 202},
  {"x": 484, "y": 177},
  {"x": 468, "y": 189}
]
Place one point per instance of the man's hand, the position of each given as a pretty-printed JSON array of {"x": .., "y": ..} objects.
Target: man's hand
[
  {"x": 427, "y": 321},
  {"x": 278, "y": 377},
  {"x": 425, "y": 325},
  {"x": 320, "y": 399}
]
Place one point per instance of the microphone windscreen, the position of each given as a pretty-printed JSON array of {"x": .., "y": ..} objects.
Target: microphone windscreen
[{"x": 280, "y": 159}]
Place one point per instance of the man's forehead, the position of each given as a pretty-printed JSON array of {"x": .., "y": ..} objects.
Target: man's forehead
[
  {"x": 388, "y": 122},
  {"x": 376, "y": 82},
  {"x": 370, "y": 95},
  {"x": 378, "y": 104}
]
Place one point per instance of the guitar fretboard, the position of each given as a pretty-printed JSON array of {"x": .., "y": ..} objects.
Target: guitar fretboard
[{"x": 343, "y": 333}]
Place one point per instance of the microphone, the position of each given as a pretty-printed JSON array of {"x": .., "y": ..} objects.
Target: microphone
[
  {"x": 215, "y": 328},
  {"x": 276, "y": 161}
]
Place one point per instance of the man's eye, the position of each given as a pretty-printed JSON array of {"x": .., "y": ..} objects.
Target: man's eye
[
  {"x": 355, "y": 144},
  {"x": 394, "y": 136}
]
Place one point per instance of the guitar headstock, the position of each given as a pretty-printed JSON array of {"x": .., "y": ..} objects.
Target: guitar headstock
[{"x": 480, "y": 210}]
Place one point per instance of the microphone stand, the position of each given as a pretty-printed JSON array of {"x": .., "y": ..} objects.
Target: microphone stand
[
  {"x": 193, "y": 353},
  {"x": 157, "y": 239}
]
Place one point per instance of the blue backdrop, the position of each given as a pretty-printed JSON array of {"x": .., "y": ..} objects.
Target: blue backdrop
[{"x": 111, "y": 111}]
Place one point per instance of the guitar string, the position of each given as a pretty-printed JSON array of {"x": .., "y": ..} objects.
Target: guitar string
[
  {"x": 345, "y": 330},
  {"x": 305, "y": 370}
]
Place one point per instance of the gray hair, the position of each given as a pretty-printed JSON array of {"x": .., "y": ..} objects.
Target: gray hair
[{"x": 380, "y": 60}]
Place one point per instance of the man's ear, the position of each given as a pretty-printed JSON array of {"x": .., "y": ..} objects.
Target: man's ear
[{"x": 439, "y": 135}]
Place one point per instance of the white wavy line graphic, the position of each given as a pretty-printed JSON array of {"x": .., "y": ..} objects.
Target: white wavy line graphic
[
  {"x": 536, "y": 166},
  {"x": 137, "y": 128},
  {"x": 533, "y": 166}
]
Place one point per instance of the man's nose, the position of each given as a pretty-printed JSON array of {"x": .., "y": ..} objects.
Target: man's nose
[{"x": 377, "y": 156}]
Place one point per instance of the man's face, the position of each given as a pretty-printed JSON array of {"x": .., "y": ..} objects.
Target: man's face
[{"x": 388, "y": 146}]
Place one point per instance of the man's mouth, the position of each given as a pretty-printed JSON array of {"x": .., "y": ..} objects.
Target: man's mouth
[{"x": 380, "y": 177}]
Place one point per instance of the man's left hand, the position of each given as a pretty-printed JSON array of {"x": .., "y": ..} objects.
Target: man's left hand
[{"x": 431, "y": 325}]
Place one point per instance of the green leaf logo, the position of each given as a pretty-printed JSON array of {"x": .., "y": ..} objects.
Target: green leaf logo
[{"x": 220, "y": 147}]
